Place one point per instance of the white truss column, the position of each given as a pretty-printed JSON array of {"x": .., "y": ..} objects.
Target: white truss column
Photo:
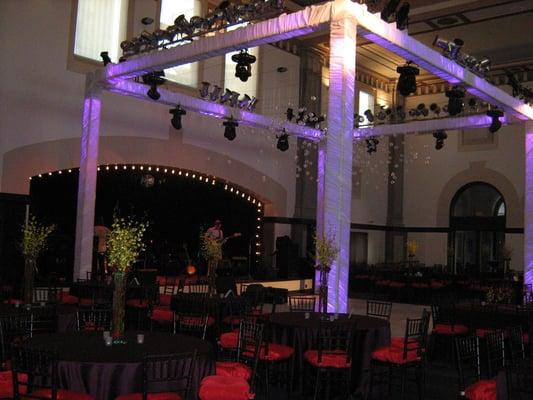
[
  {"x": 87, "y": 179},
  {"x": 335, "y": 169},
  {"x": 528, "y": 206}
]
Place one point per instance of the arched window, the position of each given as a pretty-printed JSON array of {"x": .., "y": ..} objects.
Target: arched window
[{"x": 477, "y": 229}]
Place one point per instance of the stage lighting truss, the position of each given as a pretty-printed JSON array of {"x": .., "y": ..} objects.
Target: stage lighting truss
[
  {"x": 229, "y": 97},
  {"x": 520, "y": 91},
  {"x": 452, "y": 50},
  {"x": 184, "y": 31},
  {"x": 304, "y": 118}
]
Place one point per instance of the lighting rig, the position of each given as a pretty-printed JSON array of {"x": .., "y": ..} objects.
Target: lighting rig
[
  {"x": 244, "y": 61},
  {"x": 372, "y": 144},
  {"x": 407, "y": 80},
  {"x": 455, "y": 100},
  {"x": 177, "y": 113},
  {"x": 305, "y": 118},
  {"x": 520, "y": 91},
  {"x": 440, "y": 136},
  {"x": 452, "y": 50},
  {"x": 183, "y": 30},
  {"x": 283, "y": 141},
  {"x": 229, "y": 97},
  {"x": 391, "y": 13},
  {"x": 230, "y": 126}
]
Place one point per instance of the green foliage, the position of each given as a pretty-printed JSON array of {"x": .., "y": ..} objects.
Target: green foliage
[
  {"x": 34, "y": 237},
  {"x": 326, "y": 251},
  {"x": 125, "y": 242},
  {"x": 210, "y": 248},
  {"x": 500, "y": 295}
]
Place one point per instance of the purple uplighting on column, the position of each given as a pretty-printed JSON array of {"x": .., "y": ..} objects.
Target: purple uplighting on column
[
  {"x": 87, "y": 179},
  {"x": 528, "y": 206}
]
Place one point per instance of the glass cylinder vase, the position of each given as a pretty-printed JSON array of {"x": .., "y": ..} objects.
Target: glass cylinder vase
[
  {"x": 323, "y": 292},
  {"x": 119, "y": 302},
  {"x": 29, "y": 272}
]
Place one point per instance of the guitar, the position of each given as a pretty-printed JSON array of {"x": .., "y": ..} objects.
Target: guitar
[{"x": 235, "y": 235}]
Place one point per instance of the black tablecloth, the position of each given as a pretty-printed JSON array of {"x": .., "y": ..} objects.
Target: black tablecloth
[
  {"x": 87, "y": 365},
  {"x": 370, "y": 333}
]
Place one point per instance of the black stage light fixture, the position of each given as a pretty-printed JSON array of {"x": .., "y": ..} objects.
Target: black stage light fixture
[
  {"x": 204, "y": 90},
  {"x": 450, "y": 49},
  {"x": 389, "y": 10},
  {"x": 243, "y": 103},
  {"x": 402, "y": 16},
  {"x": 422, "y": 109},
  {"x": 215, "y": 93},
  {"x": 226, "y": 96},
  {"x": 369, "y": 116},
  {"x": 440, "y": 136},
  {"x": 154, "y": 79},
  {"x": 496, "y": 124},
  {"x": 230, "y": 132},
  {"x": 252, "y": 104},
  {"x": 234, "y": 99},
  {"x": 357, "y": 120},
  {"x": 399, "y": 114},
  {"x": 283, "y": 142},
  {"x": 183, "y": 26},
  {"x": 455, "y": 100},
  {"x": 407, "y": 80},
  {"x": 147, "y": 21},
  {"x": 176, "y": 116},
  {"x": 244, "y": 61},
  {"x": 434, "y": 107},
  {"x": 289, "y": 113},
  {"x": 105, "y": 57},
  {"x": 372, "y": 144}
]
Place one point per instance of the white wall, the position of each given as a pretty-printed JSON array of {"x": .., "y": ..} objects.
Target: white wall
[{"x": 42, "y": 102}]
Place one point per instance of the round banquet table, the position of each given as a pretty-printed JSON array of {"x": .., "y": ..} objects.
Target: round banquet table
[
  {"x": 294, "y": 329},
  {"x": 87, "y": 365}
]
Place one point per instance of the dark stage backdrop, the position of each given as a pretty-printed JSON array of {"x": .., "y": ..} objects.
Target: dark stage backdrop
[{"x": 176, "y": 208}]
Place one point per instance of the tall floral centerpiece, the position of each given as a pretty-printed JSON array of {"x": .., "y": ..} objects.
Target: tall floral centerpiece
[
  {"x": 211, "y": 251},
  {"x": 124, "y": 243},
  {"x": 326, "y": 252},
  {"x": 34, "y": 238}
]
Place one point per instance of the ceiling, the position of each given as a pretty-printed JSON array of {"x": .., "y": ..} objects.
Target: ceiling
[{"x": 499, "y": 30}]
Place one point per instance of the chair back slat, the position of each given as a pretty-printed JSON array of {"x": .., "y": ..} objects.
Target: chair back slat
[
  {"x": 495, "y": 344},
  {"x": 335, "y": 337},
  {"x": 468, "y": 360},
  {"x": 41, "y": 369},
  {"x": 193, "y": 325},
  {"x": 168, "y": 373},
  {"x": 93, "y": 320},
  {"x": 379, "y": 309},
  {"x": 302, "y": 303}
]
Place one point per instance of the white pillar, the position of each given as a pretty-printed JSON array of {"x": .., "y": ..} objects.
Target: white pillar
[
  {"x": 335, "y": 170},
  {"x": 528, "y": 206},
  {"x": 87, "y": 178}
]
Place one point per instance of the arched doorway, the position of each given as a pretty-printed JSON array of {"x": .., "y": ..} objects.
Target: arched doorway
[{"x": 477, "y": 229}]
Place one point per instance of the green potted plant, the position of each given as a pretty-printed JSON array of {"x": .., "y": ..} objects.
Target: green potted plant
[
  {"x": 34, "y": 238},
  {"x": 326, "y": 252},
  {"x": 124, "y": 243}
]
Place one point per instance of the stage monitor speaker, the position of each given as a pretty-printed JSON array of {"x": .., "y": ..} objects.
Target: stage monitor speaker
[{"x": 225, "y": 283}]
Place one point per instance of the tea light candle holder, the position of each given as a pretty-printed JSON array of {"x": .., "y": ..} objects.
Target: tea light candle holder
[{"x": 140, "y": 338}]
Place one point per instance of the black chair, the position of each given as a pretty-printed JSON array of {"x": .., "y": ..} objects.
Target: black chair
[
  {"x": 172, "y": 371},
  {"x": 43, "y": 319},
  {"x": 471, "y": 384},
  {"x": 197, "y": 287},
  {"x": 93, "y": 320},
  {"x": 35, "y": 376},
  {"x": 13, "y": 328},
  {"x": 302, "y": 303},
  {"x": 332, "y": 356},
  {"x": 193, "y": 325},
  {"x": 380, "y": 309},
  {"x": 445, "y": 328},
  {"x": 516, "y": 363},
  {"x": 401, "y": 357},
  {"x": 238, "y": 375}
]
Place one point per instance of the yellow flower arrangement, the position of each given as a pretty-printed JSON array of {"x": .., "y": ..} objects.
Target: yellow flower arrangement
[
  {"x": 412, "y": 247},
  {"x": 210, "y": 248},
  {"x": 326, "y": 252},
  {"x": 34, "y": 238},
  {"x": 125, "y": 242}
]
